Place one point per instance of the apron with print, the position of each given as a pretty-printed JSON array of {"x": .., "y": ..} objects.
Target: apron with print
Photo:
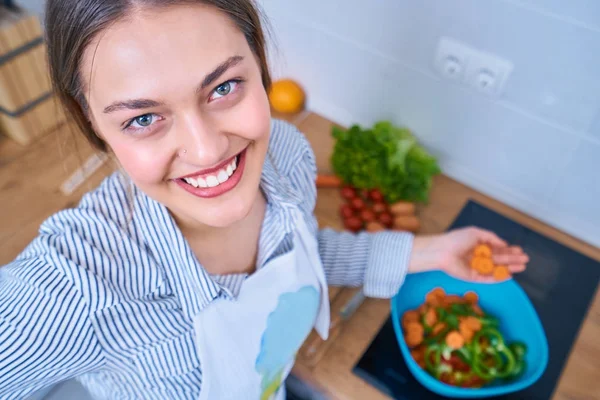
[{"x": 247, "y": 346}]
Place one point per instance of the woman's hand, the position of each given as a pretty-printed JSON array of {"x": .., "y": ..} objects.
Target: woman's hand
[{"x": 451, "y": 252}]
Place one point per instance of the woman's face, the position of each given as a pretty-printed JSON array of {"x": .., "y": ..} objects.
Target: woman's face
[{"x": 177, "y": 94}]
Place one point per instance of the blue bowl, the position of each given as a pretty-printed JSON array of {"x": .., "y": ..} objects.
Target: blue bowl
[{"x": 505, "y": 300}]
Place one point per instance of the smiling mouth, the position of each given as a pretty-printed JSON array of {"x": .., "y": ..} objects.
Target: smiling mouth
[
  {"x": 215, "y": 178},
  {"x": 215, "y": 181}
]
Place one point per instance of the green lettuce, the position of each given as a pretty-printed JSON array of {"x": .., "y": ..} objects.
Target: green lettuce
[{"x": 385, "y": 157}]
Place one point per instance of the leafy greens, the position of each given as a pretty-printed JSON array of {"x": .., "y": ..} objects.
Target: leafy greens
[{"x": 385, "y": 157}]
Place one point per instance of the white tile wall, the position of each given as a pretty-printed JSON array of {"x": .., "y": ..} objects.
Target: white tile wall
[{"x": 365, "y": 61}]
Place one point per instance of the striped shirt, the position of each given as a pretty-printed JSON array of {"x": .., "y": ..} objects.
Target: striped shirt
[{"x": 107, "y": 291}]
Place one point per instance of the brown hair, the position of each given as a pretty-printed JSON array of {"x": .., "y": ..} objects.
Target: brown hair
[{"x": 71, "y": 25}]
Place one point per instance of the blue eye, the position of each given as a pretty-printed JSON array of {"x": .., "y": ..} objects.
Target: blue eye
[
  {"x": 143, "y": 120},
  {"x": 225, "y": 89}
]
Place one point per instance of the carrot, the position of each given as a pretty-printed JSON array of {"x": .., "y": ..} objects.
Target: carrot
[
  {"x": 453, "y": 299},
  {"x": 466, "y": 331},
  {"x": 471, "y": 297},
  {"x": 433, "y": 299},
  {"x": 439, "y": 292},
  {"x": 484, "y": 266},
  {"x": 431, "y": 317},
  {"x": 328, "y": 181},
  {"x": 440, "y": 326},
  {"x": 482, "y": 250},
  {"x": 413, "y": 340},
  {"x": 410, "y": 316},
  {"x": 403, "y": 208},
  {"x": 415, "y": 328},
  {"x": 454, "y": 340},
  {"x": 477, "y": 309},
  {"x": 473, "y": 323},
  {"x": 375, "y": 227},
  {"x": 501, "y": 273},
  {"x": 408, "y": 223}
]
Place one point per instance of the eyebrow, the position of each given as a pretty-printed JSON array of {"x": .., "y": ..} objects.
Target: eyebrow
[{"x": 209, "y": 79}]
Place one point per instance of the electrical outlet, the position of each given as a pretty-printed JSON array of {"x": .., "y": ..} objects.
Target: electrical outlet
[
  {"x": 451, "y": 59},
  {"x": 487, "y": 72},
  {"x": 459, "y": 62}
]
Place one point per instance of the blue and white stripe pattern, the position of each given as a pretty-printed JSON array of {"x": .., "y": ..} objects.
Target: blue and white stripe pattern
[{"x": 107, "y": 291}]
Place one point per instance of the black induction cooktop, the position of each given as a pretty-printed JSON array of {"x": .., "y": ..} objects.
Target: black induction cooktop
[{"x": 559, "y": 281}]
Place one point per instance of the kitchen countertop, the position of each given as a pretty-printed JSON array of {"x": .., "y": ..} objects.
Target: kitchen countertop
[{"x": 333, "y": 373}]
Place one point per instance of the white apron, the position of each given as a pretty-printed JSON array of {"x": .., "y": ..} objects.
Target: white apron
[{"x": 247, "y": 346}]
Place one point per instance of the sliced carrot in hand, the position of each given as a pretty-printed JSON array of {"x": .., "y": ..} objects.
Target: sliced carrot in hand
[
  {"x": 484, "y": 266},
  {"x": 501, "y": 273},
  {"x": 455, "y": 340},
  {"x": 482, "y": 250}
]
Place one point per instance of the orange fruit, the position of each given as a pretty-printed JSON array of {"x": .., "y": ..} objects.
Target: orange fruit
[{"x": 286, "y": 96}]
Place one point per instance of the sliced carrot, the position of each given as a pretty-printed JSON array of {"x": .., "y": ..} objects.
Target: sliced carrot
[
  {"x": 484, "y": 266},
  {"x": 440, "y": 326},
  {"x": 501, "y": 273},
  {"x": 418, "y": 354},
  {"x": 328, "y": 181},
  {"x": 453, "y": 299},
  {"x": 433, "y": 299},
  {"x": 477, "y": 309},
  {"x": 466, "y": 331},
  {"x": 413, "y": 340},
  {"x": 410, "y": 316},
  {"x": 431, "y": 317},
  {"x": 482, "y": 250},
  {"x": 455, "y": 340},
  {"x": 471, "y": 297},
  {"x": 438, "y": 291},
  {"x": 414, "y": 328},
  {"x": 473, "y": 323}
]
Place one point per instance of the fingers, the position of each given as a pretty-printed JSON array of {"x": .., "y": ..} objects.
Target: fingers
[
  {"x": 509, "y": 255},
  {"x": 490, "y": 237},
  {"x": 513, "y": 257}
]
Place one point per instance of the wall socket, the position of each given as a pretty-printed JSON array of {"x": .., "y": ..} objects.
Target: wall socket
[{"x": 483, "y": 71}]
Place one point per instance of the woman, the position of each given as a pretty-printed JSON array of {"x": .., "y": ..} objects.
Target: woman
[{"x": 198, "y": 271}]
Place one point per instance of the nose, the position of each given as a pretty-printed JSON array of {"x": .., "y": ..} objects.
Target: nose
[{"x": 201, "y": 141}]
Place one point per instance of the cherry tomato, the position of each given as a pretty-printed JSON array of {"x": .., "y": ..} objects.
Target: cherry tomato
[
  {"x": 358, "y": 204},
  {"x": 379, "y": 208},
  {"x": 365, "y": 194},
  {"x": 386, "y": 219},
  {"x": 353, "y": 224},
  {"x": 348, "y": 193},
  {"x": 346, "y": 211},
  {"x": 367, "y": 215},
  {"x": 376, "y": 195}
]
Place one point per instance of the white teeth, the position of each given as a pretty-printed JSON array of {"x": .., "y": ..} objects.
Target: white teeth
[
  {"x": 191, "y": 181},
  {"x": 212, "y": 181},
  {"x": 222, "y": 177}
]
